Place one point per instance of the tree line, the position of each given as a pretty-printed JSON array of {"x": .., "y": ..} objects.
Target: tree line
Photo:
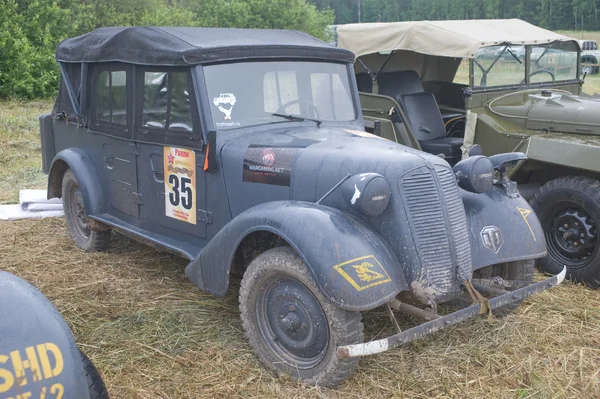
[
  {"x": 31, "y": 29},
  {"x": 549, "y": 14}
]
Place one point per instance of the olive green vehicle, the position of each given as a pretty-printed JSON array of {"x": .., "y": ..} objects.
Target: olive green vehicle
[{"x": 458, "y": 88}]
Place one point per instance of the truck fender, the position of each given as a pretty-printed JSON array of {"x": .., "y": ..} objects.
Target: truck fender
[
  {"x": 502, "y": 229},
  {"x": 87, "y": 177},
  {"x": 350, "y": 263},
  {"x": 37, "y": 350}
]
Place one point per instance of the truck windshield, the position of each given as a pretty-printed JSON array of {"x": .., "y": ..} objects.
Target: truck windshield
[
  {"x": 505, "y": 65},
  {"x": 254, "y": 93}
]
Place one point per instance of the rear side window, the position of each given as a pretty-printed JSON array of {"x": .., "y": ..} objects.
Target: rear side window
[
  {"x": 166, "y": 107},
  {"x": 111, "y": 97},
  {"x": 167, "y": 101}
]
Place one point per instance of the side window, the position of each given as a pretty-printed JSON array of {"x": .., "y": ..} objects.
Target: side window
[
  {"x": 167, "y": 101},
  {"x": 111, "y": 97}
]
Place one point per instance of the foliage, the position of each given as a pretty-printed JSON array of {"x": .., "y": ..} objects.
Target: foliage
[
  {"x": 31, "y": 29},
  {"x": 550, "y": 14}
]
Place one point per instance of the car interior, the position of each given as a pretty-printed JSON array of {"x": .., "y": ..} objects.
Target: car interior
[{"x": 439, "y": 129}]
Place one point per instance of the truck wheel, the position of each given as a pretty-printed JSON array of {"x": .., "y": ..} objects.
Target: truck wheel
[
  {"x": 520, "y": 270},
  {"x": 95, "y": 384},
  {"x": 290, "y": 324},
  {"x": 569, "y": 211},
  {"x": 76, "y": 216}
]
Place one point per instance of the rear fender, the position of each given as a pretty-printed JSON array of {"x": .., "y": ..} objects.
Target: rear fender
[
  {"x": 87, "y": 178},
  {"x": 502, "y": 229},
  {"x": 352, "y": 265}
]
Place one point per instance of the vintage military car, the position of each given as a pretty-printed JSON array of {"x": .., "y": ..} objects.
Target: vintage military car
[
  {"x": 508, "y": 86},
  {"x": 245, "y": 152},
  {"x": 38, "y": 354}
]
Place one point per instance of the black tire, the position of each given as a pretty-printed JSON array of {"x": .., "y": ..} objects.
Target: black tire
[
  {"x": 76, "y": 216},
  {"x": 520, "y": 270},
  {"x": 569, "y": 211},
  {"x": 94, "y": 380},
  {"x": 278, "y": 282}
]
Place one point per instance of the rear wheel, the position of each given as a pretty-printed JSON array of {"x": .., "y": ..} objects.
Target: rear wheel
[
  {"x": 76, "y": 215},
  {"x": 520, "y": 270},
  {"x": 291, "y": 326},
  {"x": 569, "y": 211}
]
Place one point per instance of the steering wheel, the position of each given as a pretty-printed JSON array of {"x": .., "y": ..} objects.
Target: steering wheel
[
  {"x": 286, "y": 105},
  {"x": 541, "y": 71}
]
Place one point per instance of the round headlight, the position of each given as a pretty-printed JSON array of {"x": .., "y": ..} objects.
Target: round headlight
[
  {"x": 475, "y": 174},
  {"x": 367, "y": 193}
]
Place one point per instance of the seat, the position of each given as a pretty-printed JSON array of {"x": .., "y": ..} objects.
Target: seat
[
  {"x": 404, "y": 82},
  {"x": 425, "y": 120}
]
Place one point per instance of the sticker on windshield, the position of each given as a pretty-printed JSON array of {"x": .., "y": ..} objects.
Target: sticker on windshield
[
  {"x": 225, "y": 103},
  {"x": 180, "y": 184}
]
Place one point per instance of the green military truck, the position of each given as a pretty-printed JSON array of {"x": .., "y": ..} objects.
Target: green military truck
[{"x": 506, "y": 85}]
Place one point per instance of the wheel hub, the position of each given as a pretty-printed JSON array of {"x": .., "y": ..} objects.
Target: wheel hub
[
  {"x": 293, "y": 322},
  {"x": 573, "y": 236}
]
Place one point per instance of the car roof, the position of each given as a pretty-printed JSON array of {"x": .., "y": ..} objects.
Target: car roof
[
  {"x": 459, "y": 39},
  {"x": 151, "y": 45}
]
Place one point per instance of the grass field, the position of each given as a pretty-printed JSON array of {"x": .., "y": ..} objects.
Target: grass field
[{"x": 153, "y": 334}]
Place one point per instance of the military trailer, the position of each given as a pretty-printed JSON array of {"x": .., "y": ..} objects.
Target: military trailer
[
  {"x": 38, "y": 354},
  {"x": 245, "y": 152},
  {"x": 442, "y": 86}
]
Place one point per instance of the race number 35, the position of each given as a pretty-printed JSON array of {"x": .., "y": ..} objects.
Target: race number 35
[
  {"x": 181, "y": 192},
  {"x": 180, "y": 184}
]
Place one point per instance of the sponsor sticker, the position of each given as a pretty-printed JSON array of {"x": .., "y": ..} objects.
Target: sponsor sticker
[
  {"x": 492, "y": 239},
  {"x": 268, "y": 165},
  {"x": 225, "y": 103},
  {"x": 364, "y": 272},
  {"x": 180, "y": 184}
]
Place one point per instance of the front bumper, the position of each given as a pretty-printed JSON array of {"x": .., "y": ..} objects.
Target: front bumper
[{"x": 382, "y": 345}]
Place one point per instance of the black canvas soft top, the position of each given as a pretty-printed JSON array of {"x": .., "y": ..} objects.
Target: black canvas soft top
[{"x": 189, "y": 46}]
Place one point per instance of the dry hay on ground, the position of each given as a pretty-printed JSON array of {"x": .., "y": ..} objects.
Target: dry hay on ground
[{"x": 153, "y": 334}]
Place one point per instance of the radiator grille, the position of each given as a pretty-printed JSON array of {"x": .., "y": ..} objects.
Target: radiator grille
[{"x": 438, "y": 222}]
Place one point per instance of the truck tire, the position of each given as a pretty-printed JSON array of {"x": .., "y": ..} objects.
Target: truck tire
[
  {"x": 93, "y": 378},
  {"x": 290, "y": 324},
  {"x": 76, "y": 216},
  {"x": 520, "y": 270},
  {"x": 569, "y": 211}
]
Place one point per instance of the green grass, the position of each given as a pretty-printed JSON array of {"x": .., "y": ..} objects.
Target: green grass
[{"x": 20, "y": 157}]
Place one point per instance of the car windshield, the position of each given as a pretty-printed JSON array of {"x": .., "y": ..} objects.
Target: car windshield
[
  {"x": 505, "y": 65},
  {"x": 254, "y": 93}
]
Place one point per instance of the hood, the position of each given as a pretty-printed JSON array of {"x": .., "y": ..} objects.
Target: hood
[
  {"x": 304, "y": 163},
  {"x": 553, "y": 111}
]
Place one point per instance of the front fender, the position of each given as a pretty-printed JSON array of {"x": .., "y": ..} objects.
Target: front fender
[
  {"x": 351, "y": 264},
  {"x": 502, "y": 229},
  {"x": 87, "y": 177}
]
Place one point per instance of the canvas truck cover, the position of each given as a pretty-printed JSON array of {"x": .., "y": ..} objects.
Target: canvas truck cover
[
  {"x": 169, "y": 46},
  {"x": 459, "y": 39}
]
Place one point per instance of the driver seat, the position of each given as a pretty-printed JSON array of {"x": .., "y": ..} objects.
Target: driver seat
[{"x": 425, "y": 120}]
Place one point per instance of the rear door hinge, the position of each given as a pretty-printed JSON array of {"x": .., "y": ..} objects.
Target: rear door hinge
[
  {"x": 133, "y": 149},
  {"x": 137, "y": 199}
]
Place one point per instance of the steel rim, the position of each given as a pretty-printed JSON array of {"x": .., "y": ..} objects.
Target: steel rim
[
  {"x": 292, "y": 322},
  {"x": 77, "y": 212},
  {"x": 571, "y": 235}
]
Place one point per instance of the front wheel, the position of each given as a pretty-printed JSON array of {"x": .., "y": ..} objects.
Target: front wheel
[
  {"x": 569, "y": 211},
  {"x": 291, "y": 326}
]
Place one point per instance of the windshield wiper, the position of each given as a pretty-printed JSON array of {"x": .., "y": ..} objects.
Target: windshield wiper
[{"x": 297, "y": 118}]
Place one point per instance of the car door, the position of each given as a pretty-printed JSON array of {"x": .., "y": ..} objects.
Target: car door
[
  {"x": 171, "y": 156},
  {"x": 111, "y": 127}
]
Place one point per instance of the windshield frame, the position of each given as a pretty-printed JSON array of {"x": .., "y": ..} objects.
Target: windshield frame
[
  {"x": 527, "y": 61},
  {"x": 208, "y": 123}
]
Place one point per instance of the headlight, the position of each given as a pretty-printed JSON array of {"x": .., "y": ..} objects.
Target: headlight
[
  {"x": 367, "y": 193},
  {"x": 475, "y": 174}
]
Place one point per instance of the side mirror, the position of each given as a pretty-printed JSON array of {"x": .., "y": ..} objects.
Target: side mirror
[{"x": 509, "y": 158}]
